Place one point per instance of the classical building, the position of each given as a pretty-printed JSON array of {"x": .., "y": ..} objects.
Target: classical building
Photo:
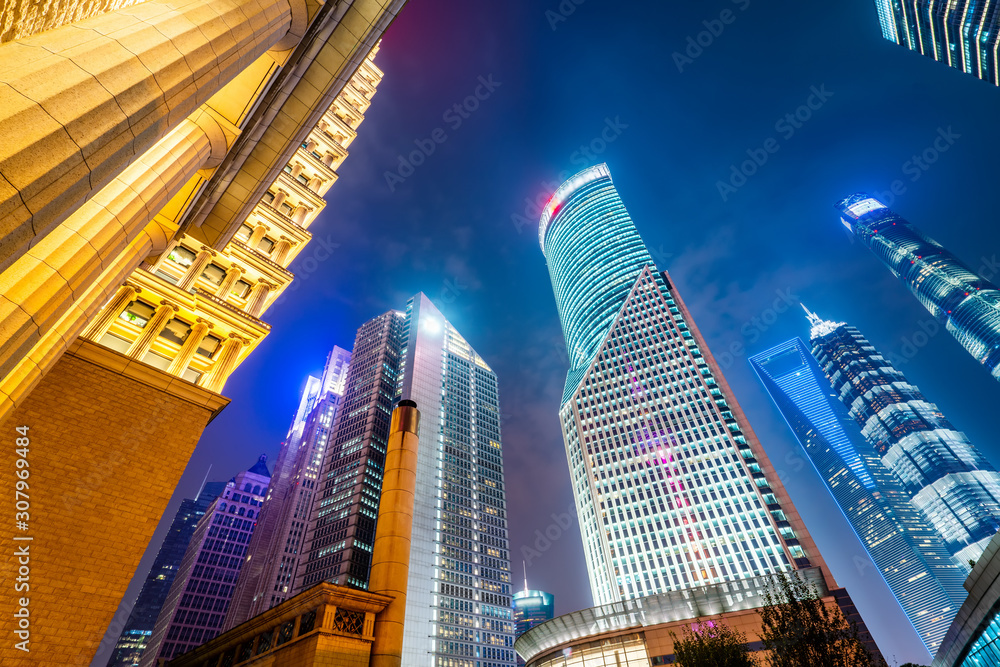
[
  {"x": 161, "y": 165},
  {"x": 964, "y": 35},
  {"x": 272, "y": 560},
  {"x": 905, "y": 547},
  {"x": 200, "y": 594},
  {"x": 142, "y": 619},
  {"x": 672, "y": 487},
  {"x": 974, "y": 638},
  {"x": 945, "y": 476},
  {"x": 963, "y": 302}
]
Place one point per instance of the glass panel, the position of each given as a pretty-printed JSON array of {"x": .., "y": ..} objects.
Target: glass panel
[
  {"x": 307, "y": 623},
  {"x": 266, "y": 245},
  {"x": 156, "y": 360},
  {"x": 242, "y": 289},
  {"x": 182, "y": 256},
  {"x": 244, "y": 232},
  {"x": 214, "y": 274},
  {"x": 138, "y": 312},
  {"x": 116, "y": 343},
  {"x": 191, "y": 375},
  {"x": 176, "y": 331},
  {"x": 209, "y": 346},
  {"x": 268, "y": 197}
]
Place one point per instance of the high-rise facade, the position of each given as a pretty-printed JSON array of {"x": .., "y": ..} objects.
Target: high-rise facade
[
  {"x": 964, "y": 35},
  {"x": 955, "y": 487},
  {"x": 199, "y": 596},
  {"x": 139, "y": 626},
  {"x": 908, "y": 552},
  {"x": 338, "y": 539},
  {"x": 531, "y": 608},
  {"x": 966, "y": 304},
  {"x": 458, "y": 599},
  {"x": 273, "y": 556},
  {"x": 163, "y": 164},
  {"x": 672, "y": 487}
]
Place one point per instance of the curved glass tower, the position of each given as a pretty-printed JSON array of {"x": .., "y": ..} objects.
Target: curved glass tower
[
  {"x": 672, "y": 488},
  {"x": 908, "y": 552},
  {"x": 946, "y": 477},
  {"x": 967, "y": 305}
]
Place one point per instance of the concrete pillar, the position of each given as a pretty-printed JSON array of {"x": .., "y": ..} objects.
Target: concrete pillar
[
  {"x": 258, "y": 234},
  {"x": 296, "y": 170},
  {"x": 225, "y": 364},
  {"x": 201, "y": 260},
  {"x": 81, "y": 102},
  {"x": 391, "y": 550},
  {"x": 328, "y": 159},
  {"x": 281, "y": 250},
  {"x": 279, "y": 198},
  {"x": 257, "y": 298},
  {"x": 190, "y": 346},
  {"x": 140, "y": 346},
  {"x": 315, "y": 184},
  {"x": 125, "y": 295},
  {"x": 233, "y": 276},
  {"x": 300, "y": 213}
]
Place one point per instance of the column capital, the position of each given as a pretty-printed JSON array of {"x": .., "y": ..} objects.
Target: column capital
[
  {"x": 202, "y": 320},
  {"x": 164, "y": 302},
  {"x": 212, "y": 251}
]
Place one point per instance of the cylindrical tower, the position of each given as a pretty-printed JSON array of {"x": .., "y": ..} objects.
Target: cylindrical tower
[{"x": 967, "y": 304}]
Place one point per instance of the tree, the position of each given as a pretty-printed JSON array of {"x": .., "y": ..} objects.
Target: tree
[
  {"x": 712, "y": 644},
  {"x": 800, "y": 630}
]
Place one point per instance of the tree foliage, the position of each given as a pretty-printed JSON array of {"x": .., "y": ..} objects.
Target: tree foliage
[
  {"x": 801, "y": 631},
  {"x": 712, "y": 644}
]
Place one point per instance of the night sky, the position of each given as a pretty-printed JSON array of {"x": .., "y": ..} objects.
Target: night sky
[{"x": 462, "y": 228}]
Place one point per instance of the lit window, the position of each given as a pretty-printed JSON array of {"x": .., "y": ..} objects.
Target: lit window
[
  {"x": 138, "y": 312},
  {"x": 181, "y": 256},
  {"x": 209, "y": 346},
  {"x": 268, "y": 197},
  {"x": 266, "y": 245},
  {"x": 214, "y": 274},
  {"x": 242, "y": 288},
  {"x": 244, "y": 232}
]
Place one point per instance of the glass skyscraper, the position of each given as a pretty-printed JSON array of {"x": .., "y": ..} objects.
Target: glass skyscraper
[
  {"x": 963, "y": 35},
  {"x": 458, "y": 600},
  {"x": 531, "y": 608},
  {"x": 908, "y": 552},
  {"x": 966, "y": 304},
  {"x": 944, "y": 475},
  {"x": 141, "y": 620},
  {"x": 672, "y": 487}
]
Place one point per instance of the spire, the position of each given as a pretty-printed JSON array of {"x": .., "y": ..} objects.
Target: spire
[
  {"x": 204, "y": 481},
  {"x": 811, "y": 316},
  {"x": 818, "y": 327},
  {"x": 525, "y": 576}
]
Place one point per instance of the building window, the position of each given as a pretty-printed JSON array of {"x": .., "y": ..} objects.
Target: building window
[
  {"x": 242, "y": 289},
  {"x": 138, "y": 312},
  {"x": 244, "y": 232},
  {"x": 209, "y": 346},
  {"x": 268, "y": 197},
  {"x": 303, "y": 179},
  {"x": 176, "y": 331},
  {"x": 214, "y": 274},
  {"x": 181, "y": 256},
  {"x": 266, "y": 245},
  {"x": 286, "y": 209}
]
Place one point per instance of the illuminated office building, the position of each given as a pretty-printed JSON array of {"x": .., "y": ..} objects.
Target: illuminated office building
[
  {"x": 944, "y": 475},
  {"x": 672, "y": 487},
  {"x": 531, "y": 608},
  {"x": 908, "y": 552},
  {"x": 964, "y": 35},
  {"x": 273, "y": 556},
  {"x": 967, "y": 305},
  {"x": 141, "y": 620},
  {"x": 162, "y": 166},
  {"x": 199, "y": 596},
  {"x": 458, "y": 600}
]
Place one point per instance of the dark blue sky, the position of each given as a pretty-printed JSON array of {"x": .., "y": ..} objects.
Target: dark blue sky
[{"x": 450, "y": 228}]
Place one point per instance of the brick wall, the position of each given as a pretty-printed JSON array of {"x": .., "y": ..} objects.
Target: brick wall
[{"x": 110, "y": 438}]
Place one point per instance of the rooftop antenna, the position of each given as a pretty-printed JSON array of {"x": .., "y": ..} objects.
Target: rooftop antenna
[
  {"x": 525, "y": 576},
  {"x": 814, "y": 319},
  {"x": 204, "y": 481}
]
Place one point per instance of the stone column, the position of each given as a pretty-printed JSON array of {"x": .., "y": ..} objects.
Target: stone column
[
  {"x": 82, "y": 101},
  {"x": 225, "y": 364},
  {"x": 258, "y": 234},
  {"x": 296, "y": 170},
  {"x": 233, "y": 276},
  {"x": 140, "y": 346},
  {"x": 197, "y": 266},
  {"x": 100, "y": 325},
  {"x": 279, "y": 198},
  {"x": 391, "y": 550},
  {"x": 281, "y": 250},
  {"x": 258, "y": 295},
  {"x": 190, "y": 346},
  {"x": 300, "y": 213}
]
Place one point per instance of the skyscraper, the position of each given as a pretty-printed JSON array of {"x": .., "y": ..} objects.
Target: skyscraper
[
  {"x": 458, "y": 600},
  {"x": 905, "y": 548},
  {"x": 268, "y": 574},
  {"x": 963, "y": 35},
  {"x": 966, "y": 304},
  {"x": 338, "y": 539},
  {"x": 199, "y": 596},
  {"x": 944, "y": 475},
  {"x": 531, "y": 608},
  {"x": 672, "y": 487},
  {"x": 139, "y": 626}
]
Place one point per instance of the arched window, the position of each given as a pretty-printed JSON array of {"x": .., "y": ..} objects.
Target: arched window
[
  {"x": 256, "y": 490},
  {"x": 232, "y": 509},
  {"x": 247, "y": 487},
  {"x": 249, "y": 514},
  {"x": 243, "y": 511},
  {"x": 223, "y": 507}
]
